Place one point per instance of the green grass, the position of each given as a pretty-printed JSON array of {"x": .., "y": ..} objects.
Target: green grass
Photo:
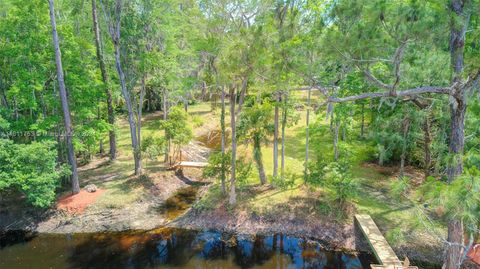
[{"x": 399, "y": 218}]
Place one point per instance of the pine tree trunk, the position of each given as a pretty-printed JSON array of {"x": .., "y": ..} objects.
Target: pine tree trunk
[
  {"x": 275, "y": 137},
  {"x": 63, "y": 99},
  {"x": 406, "y": 127},
  {"x": 233, "y": 196},
  {"x": 457, "y": 138},
  {"x": 459, "y": 23},
  {"x": 257, "y": 156},
  {"x": 455, "y": 250},
  {"x": 108, "y": 92},
  {"x": 222, "y": 126}
]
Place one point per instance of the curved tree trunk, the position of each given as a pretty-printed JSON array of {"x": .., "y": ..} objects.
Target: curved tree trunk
[
  {"x": 64, "y": 102},
  {"x": 114, "y": 30},
  {"x": 131, "y": 117}
]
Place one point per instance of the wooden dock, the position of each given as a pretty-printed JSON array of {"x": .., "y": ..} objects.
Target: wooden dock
[
  {"x": 184, "y": 164},
  {"x": 382, "y": 250}
]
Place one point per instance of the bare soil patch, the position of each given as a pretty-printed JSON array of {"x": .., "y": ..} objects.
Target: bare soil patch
[{"x": 77, "y": 203}]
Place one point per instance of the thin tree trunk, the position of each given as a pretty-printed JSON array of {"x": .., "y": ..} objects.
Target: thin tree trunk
[
  {"x": 128, "y": 102},
  {"x": 143, "y": 89},
  {"x": 15, "y": 109},
  {"x": 63, "y": 98},
  {"x": 406, "y": 127},
  {"x": 222, "y": 126},
  {"x": 100, "y": 143},
  {"x": 257, "y": 156},
  {"x": 275, "y": 137},
  {"x": 307, "y": 137},
  {"x": 336, "y": 129},
  {"x": 105, "y": 79},
  {"x": 233, "y": 196},
  {"x": 243, "y": 92},
  {"x": 284, "y": 125}
]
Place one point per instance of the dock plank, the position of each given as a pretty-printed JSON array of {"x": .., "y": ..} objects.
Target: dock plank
[
  {"x": 192, "y": 164},
  {"x": 382, "y": 249}
]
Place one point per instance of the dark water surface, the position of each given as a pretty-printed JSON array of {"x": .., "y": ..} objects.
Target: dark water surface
[{"x": 169, "y": 248}]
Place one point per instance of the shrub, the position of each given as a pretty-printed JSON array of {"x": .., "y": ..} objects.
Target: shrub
[
  {"x": 342, "y": 185},
  {"x": 152, "y": 147},
  {"x": 32, "y": 170}
]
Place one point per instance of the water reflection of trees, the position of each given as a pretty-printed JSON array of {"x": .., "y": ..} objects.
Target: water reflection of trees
[
  {"x": 132, "y": 250},
  {"x": 10, "y": 238},
  {"x": 179, "y": 248}
]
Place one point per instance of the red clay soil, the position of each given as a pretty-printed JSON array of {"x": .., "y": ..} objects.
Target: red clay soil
[
  {"x": 77, "y": 203},
  {"x": 474, "y": 254}
]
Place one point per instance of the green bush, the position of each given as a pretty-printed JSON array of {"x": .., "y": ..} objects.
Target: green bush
[
  {"x": 31, "y": 169},
  {"x": 152, "y": 147},
  {"x": 342, "y": 185},
  {"x": 214, "y": 167}
]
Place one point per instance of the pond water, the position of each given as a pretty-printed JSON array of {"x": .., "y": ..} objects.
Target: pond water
[{"x": 169, "y": 248}]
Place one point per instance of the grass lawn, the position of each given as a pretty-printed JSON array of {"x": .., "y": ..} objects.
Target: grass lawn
[{"x": 398, "y": 220}]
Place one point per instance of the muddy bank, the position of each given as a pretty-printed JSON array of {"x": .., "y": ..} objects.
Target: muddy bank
[
  {"x": 334, "y": 236},
  {"x": 162, "y": 199}
]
